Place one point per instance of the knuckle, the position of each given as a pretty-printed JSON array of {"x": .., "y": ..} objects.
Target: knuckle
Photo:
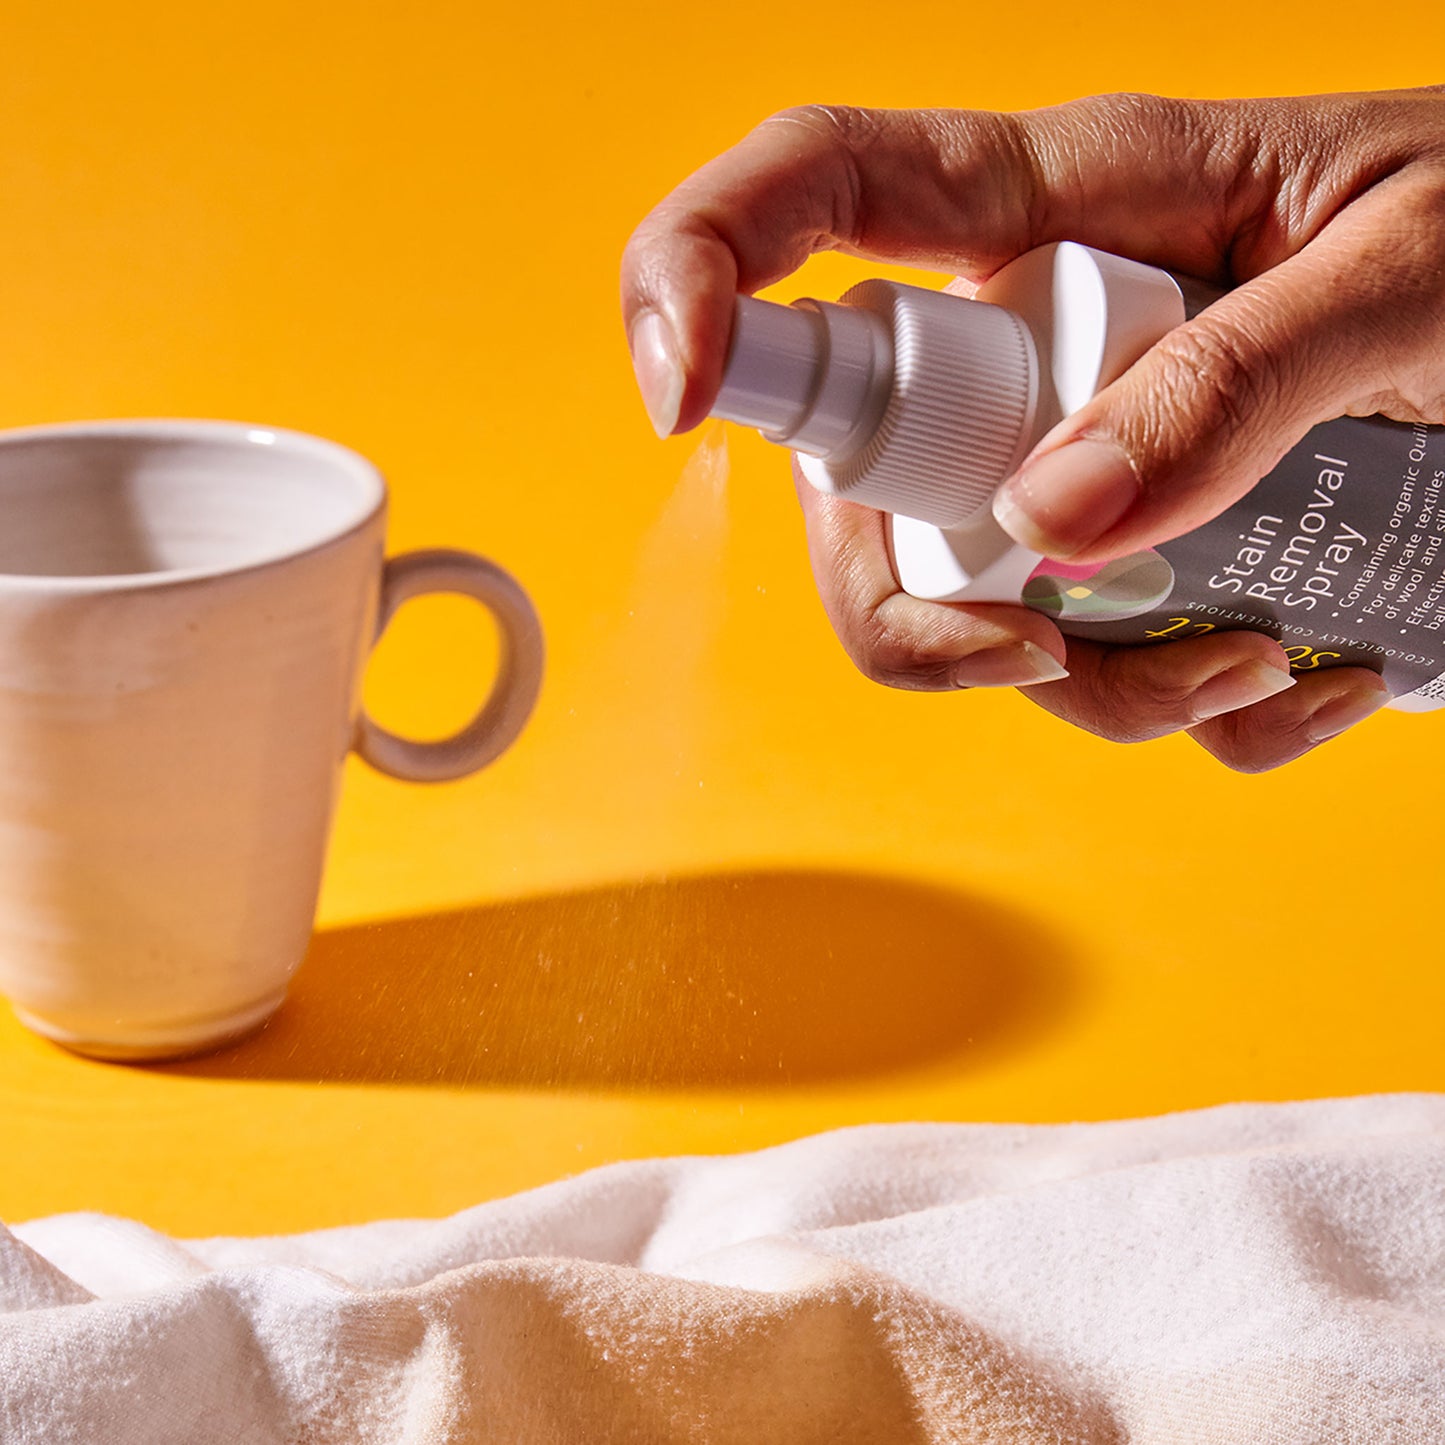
[
  {"x": 892, "y": 661},
  {"x": 1124, "y": 714},
  {"x": 1158, "y": 697},
  {"x": 1116, "y": 729},
  {"x": 1121, "y": 120},
  {"x": 1251, "y": 766},
  {"x": 837, "y": 136},
  {"x": 1241, "y": 752},
  {"x": 1131, "y": 701},
  {"x": 1118, "y": 724},
  {"x": 889, "y": 651},
  {"x": 1132, "y": 112},
  {"x": 1406, "y": 264},
  {"x": 1223, "y": 377},
  {"x": 1411, "y": 248},
  {"x": 836, "y": 125}
]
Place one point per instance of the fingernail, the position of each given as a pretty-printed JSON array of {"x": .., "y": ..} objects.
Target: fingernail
[
  {"x": 1066, "y": 499},
  {"x": 1340, "y": 713},
  {"x": 659, "y": 370},
  {"x": 1020, "y": 664},
  {"x": 1237, "y": 687}
]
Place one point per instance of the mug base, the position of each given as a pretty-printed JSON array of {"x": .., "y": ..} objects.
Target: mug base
[{"x": 180, "y": 1041}]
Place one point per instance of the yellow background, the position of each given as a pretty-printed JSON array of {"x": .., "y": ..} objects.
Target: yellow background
[{"x": 724, "y": 892}]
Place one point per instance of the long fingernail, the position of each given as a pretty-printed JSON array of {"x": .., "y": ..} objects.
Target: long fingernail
[
  {"x": 659, "y": 370},
  {"x": 1339, "y": 713},
  {"x": 1020, "y": 664},
  {"x": 1237, "y": 687},
  {"x": 1066, "y": 499}
]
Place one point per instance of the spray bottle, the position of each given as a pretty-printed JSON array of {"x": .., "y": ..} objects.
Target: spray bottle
[{"x": 921, "y": 404}]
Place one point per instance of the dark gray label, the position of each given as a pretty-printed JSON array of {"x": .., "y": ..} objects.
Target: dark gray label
[{"x": 1339, "y": 553}]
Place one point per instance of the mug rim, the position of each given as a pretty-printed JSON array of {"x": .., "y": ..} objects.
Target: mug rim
[{"x": 371, "y": 501}]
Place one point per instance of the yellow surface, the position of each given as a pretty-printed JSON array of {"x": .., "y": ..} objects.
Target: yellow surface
[{"x": 725, "y": 892}]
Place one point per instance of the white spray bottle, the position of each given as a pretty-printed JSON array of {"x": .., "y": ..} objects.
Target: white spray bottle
[{"x": 921, "y": 404}]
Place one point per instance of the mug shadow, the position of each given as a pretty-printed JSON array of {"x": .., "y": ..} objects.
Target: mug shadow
[{"x": 754, "y": 979}]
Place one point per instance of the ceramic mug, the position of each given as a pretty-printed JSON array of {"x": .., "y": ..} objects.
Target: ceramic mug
[{"x": 185, "y": 612}]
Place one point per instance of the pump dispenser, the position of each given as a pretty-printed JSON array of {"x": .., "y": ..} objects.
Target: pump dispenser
[{"x": 921, "y": 404}]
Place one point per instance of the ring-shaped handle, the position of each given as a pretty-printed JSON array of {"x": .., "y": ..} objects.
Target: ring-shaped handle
[{"x": 519, "y": 675}]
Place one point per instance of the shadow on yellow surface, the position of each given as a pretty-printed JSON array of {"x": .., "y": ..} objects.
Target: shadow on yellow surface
[{"x": 767, "y": 978}]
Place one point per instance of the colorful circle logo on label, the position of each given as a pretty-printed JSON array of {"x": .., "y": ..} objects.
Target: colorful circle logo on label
[{"x": 1111, "y": 591}]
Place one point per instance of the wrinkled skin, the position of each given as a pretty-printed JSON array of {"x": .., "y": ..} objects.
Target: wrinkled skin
[{"x": 1326, "y": 215}]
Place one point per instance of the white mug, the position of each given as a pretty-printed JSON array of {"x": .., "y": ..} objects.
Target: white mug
[{"x": 186, "y": 609}]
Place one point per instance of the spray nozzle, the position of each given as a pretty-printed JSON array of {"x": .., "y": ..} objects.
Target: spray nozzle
[{"x": 814, "y": 376}]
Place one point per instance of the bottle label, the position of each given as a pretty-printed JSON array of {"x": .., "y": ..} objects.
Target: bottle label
[{"x": 1339, "y": 553}]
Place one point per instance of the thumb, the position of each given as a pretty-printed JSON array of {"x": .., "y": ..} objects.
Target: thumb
[{"x": 1214, "y": 405}]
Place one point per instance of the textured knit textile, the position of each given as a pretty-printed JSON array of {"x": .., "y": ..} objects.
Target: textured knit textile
[{"x": 1264, "y": 1274}]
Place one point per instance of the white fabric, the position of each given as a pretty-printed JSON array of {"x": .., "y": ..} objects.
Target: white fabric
[{"x": 1267, "y": 1274}]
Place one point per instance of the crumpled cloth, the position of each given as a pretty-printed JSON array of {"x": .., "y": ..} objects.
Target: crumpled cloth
[{"x": 1265, "y": 1274}]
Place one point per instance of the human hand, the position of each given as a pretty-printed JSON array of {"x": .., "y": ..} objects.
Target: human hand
[{"x": 1327, "y": 216}]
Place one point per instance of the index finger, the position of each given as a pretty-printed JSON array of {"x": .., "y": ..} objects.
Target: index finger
[{"x": 1159, "y": 180}]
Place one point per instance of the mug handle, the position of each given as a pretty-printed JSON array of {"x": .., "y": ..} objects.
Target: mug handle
[{"x": 519, "y": 675}]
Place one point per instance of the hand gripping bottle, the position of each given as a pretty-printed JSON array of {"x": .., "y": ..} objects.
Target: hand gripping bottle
[{"x": 921, "y": 404}]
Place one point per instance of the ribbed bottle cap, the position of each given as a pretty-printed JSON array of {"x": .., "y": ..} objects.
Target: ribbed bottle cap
[{"x": 958, "y": 413}]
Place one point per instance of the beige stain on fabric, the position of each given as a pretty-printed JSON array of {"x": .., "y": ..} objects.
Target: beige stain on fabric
[{"x": 558, "y": 1353}]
